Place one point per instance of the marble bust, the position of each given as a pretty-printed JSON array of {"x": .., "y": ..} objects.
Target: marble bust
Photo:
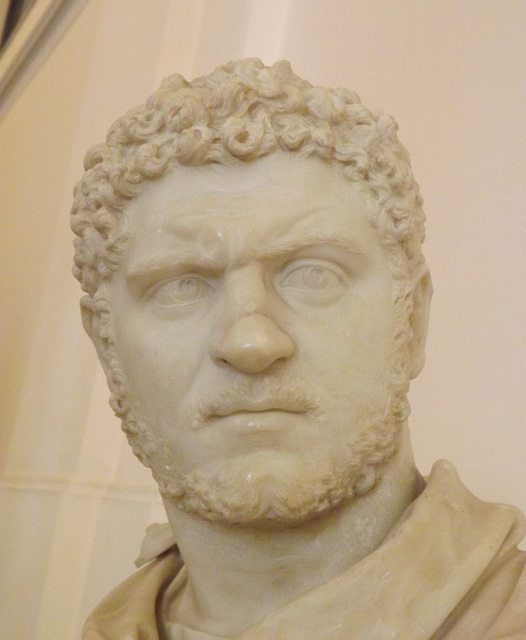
[{"x": 250, "y": 250}]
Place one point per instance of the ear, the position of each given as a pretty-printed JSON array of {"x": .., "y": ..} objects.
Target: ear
[
  {"x": 91, "y": 323},
  {"x": 422, "y": 293}
]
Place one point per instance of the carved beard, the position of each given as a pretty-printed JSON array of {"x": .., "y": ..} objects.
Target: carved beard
[{"x": 273, "y": 488}]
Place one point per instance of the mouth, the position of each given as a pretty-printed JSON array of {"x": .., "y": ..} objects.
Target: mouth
[
  {"x": 261, "y": 428},
  {"x": 254, "y": 409},
  {"x": 262, "y": 419},
  {"x": 254, "y": 418}
]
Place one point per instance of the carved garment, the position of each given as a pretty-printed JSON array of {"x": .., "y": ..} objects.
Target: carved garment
[{"x": 449, "y": 570}]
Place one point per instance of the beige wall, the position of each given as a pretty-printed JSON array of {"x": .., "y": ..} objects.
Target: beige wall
[{"x": 73, "y": 501}]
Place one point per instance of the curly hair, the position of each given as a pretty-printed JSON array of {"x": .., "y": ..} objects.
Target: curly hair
[{"x": 240, "y": 112}]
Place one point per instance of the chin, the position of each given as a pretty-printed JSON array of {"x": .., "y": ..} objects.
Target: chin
[{"x": 269, "y": 489}]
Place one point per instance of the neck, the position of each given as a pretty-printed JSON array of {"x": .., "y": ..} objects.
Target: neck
[{"x": 238, "y": 575}]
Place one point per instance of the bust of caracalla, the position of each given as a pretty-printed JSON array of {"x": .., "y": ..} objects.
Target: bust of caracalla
[{"x": 249, "y": 246}]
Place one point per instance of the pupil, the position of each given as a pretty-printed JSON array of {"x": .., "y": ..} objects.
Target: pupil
[
  {"x": 316, "y": 277},
  {"x": 187, "y": 286}
]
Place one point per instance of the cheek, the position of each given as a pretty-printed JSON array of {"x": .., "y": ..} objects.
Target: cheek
[
  {"x": 354, "y": 343},
  {"x": 156, "y": 360}
]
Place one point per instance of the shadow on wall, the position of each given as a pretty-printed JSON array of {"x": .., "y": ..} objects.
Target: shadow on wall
[{"x": 12, "y": 12}]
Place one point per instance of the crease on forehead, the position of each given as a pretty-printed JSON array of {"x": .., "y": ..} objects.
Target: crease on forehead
[{"x": 181, "y": 215}]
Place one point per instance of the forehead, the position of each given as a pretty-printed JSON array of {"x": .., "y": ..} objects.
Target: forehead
[{"x": 265, "y": 202}]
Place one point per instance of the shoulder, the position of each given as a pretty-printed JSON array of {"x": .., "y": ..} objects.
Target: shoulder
[{"x": 130, "y": 610}]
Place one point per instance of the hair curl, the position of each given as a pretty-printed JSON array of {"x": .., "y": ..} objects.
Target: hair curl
[{"x": 240, "y": 112}]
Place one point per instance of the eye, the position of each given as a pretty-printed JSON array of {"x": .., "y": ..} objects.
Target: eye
[
  {"x": 312, "y": 278},
  {"x": 182, "y": 290}
]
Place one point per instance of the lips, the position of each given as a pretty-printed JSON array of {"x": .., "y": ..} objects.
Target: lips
[
  {"x": 263, "y": 428},
  {"x": 257, "y": 407}
]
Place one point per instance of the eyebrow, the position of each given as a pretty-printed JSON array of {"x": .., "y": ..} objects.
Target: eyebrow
[
  {"x": 171, "y": 261},
  {"x": 285, "y": 246}
]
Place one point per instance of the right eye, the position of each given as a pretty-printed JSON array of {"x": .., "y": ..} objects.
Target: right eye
[{"x": 182, "y": 290}]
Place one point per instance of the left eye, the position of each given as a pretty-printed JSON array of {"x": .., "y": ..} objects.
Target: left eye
[
  {"x": 183, "y": 290},
  {"x": 311, "y": 278}
]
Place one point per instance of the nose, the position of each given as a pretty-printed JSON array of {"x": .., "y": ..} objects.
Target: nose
[{"x": 252, "y": 343}]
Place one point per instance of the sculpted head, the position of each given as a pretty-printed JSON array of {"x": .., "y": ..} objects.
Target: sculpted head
[{"x": 250, "y": 247}]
